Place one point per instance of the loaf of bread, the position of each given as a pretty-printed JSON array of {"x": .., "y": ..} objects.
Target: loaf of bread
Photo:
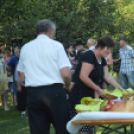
[
  {"x": 129, "y": 106},
  {"x": 119, "y": 106},
  {"x": 123, "y": 106}
]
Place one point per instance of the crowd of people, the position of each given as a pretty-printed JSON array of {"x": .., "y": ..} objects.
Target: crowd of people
[
  {"x": 50, "y": 79},
  {"x": 10, "y": 81}
]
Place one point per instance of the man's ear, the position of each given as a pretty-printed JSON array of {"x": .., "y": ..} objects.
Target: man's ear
[{"x": 51, "y": 31}]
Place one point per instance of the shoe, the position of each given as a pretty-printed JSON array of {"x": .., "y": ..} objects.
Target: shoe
[
  {"x": 7, "y": 108},
  {"x": 23, "y": 115}
]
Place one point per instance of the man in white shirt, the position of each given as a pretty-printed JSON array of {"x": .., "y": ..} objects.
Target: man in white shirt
[
  {"x": 44, "y": 67},
  {"x": 91, "y": 44}
]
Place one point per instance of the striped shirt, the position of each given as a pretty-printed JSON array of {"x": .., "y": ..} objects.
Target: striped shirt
[
  {"x": 126, "y": 59},
  {"x": 17, "y": 77}
]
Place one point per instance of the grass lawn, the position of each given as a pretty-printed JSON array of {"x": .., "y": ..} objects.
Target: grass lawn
[{"x": 12, "y": 123}]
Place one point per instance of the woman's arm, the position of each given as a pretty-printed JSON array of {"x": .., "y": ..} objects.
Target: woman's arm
[
  {"x": 109, "y": 79},
  {"x": 116, "y": 60},
  {"x": 84, "y": 73},
  {"x": 109, "y": 59}
]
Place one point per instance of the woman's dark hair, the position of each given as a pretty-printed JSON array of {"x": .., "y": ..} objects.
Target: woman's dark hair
[
  {"x": 72, "y": 54},
  {"x": 79, "y": 53},
  {"x": 67, "y": 46},
  {"x": 105, "y": 41}
]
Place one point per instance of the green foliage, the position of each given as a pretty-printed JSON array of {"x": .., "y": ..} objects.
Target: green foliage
[
  {"x": 74, "y": 19},
  {"x": 125, "y": 19}
]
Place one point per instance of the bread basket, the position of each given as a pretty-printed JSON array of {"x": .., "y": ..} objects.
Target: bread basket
[
  {"x": 82, "y": 111},
  {"x": 127, "y": 96}
]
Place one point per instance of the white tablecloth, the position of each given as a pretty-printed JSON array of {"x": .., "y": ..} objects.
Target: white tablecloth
[{"x": 74, "y": 128}]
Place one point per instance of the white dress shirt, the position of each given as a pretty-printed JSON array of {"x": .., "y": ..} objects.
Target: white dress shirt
[
  {"x": 92, "y": 47},
  {"x": 41, "y": 61},
  {"x": 76, "y": 51}
]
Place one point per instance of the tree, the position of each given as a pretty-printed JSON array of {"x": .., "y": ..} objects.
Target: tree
[{"x": 74, "y": 18}]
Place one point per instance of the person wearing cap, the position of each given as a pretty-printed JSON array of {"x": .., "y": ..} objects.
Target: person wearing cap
[
  {"x": 126, "y": 68},
  {"x": 78, "y": 46}
]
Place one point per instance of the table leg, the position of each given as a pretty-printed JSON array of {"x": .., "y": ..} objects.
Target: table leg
[
  {"x": 105, "y": 129},
  {"x": 109, "y": 130},
  {"x": 94, "y": 130},
  {"x": 125, "y": 129},
  {"x": 132, "y": 129}
]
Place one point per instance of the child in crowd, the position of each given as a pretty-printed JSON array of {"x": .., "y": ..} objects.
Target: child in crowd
[{"x": 10, "y": 77}]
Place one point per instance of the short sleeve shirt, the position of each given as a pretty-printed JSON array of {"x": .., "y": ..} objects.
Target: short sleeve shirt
[
  {"x": 81, "y": 90},
  {"x": 126, "y": 59},
  {"x": 97, "y": 73},
  {"x": 41, "y": 61},
  {"x": 17, "y": 77},
  {"x": 12, "y": 63},
  {"x": 92, "y": 47}
]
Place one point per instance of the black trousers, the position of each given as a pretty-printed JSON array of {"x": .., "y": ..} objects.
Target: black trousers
[
  {"x": 46, "y": 105},
  {"x": 22, "y": 99}
]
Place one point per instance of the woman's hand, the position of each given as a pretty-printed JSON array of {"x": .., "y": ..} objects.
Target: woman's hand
[
  {"x": 122, "y": 89},
  {"x": 109, "y": 79},
  {"x": 127, "y": 90},
  {"x": 101, "y": 93}
]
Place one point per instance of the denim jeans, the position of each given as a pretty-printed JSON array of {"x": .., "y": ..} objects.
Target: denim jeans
[
  {"x": 126, "y": 79},
  {"x": 15, "y": 88}
]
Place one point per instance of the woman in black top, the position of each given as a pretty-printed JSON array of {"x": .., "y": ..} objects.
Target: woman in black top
[{"x": 91, "y": 69}]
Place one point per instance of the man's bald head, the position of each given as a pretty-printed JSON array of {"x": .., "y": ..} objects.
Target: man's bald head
[{"x": 90, "y": 42}]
